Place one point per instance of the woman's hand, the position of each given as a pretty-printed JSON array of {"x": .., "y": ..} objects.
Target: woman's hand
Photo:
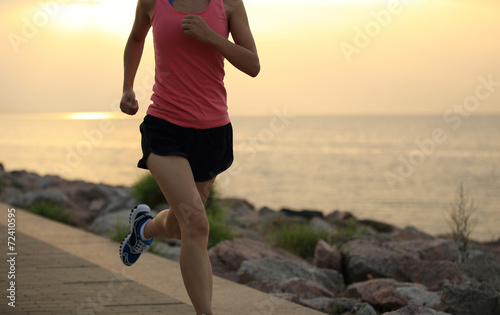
[
  {"x": 129, "y": 104},
  {"x": 195, "y": 26}
]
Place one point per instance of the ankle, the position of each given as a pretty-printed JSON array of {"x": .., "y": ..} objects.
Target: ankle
[{"x": 145, "y": 232}]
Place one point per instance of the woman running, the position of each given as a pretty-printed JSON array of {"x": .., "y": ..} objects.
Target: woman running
[{"x": 186, "y": 134}]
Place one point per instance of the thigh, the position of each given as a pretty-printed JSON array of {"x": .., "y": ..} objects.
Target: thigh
[
  {"x": 175, "y": 178},
  {"x": 204, "y": 189}
]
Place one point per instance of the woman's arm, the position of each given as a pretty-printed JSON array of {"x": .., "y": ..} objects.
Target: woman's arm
[
  {"x": 242, "y": 53},
  {"x": 133, "y": 54}
]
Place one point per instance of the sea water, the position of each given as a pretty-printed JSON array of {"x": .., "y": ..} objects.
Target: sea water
[{"x": 403, "y": 170}]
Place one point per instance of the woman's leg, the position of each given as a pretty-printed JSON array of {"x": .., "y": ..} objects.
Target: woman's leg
[
  {"x": 174, "y": 176},
  {"x": 165, "y": 223}
]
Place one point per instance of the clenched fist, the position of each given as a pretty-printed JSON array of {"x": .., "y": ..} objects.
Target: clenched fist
[
  {"x": 195, "y": 26},
  {"x": 129, "y": 104}
]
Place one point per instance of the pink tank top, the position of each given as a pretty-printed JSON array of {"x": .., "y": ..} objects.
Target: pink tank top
[{"x": 189, "y": 76}]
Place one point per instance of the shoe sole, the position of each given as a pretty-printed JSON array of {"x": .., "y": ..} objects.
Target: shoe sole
[
  {"x": 133, "y": 213},
  {"x": 125, "y": 240}
]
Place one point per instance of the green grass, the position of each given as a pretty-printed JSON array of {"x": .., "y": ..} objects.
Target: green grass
[
  {"x": 219, "y": 230},
  {"x": 211, "y": 204},
  {"x": 217, "y": 218},
  {"x": 119, "y": 233},
  {"x": 147, "y": 191},
  {"x": 53, "y": 211},
  {"x": 348, "y": 231},
  {"x": 298, "y": 238}
]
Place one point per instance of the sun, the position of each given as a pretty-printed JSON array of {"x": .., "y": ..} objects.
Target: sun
[
  {"x": 90, "y": 115},
  {"x": 114, "y": 16}
]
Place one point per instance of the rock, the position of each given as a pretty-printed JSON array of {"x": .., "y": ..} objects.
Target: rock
[
  {"x": 438, "y": 249},
  {"x": 297, "y": 288},
  {"x": 119, "y": 204},
  {"x": 407, "y": 248},
  {"x": 339, "y": 306},
  {"x": 267, "y": 211},
  {"x": 380, "y": 227},
  {"x": 413, "y": 308},
  {"x": 336, "y": 216},
  {"x": 304, "y": 214},
  {"x": 107, "y": 223},
  {"x": 271, "y": 269},
  {"x": 49, "y": 181},
  {"x": 432, "y": 274},
  {"x": 93, "y": 192},
  {"x": 170, "y": 252},
  {"x": 464, "y": 300},
  {"x": 236, "y": 207},
  {"x": 32, "y": 197},
  {"x": 10, "y": 194},
  {"x": 23, "y": 180},
  {"x": 420, "y": 295},
  {"x": 391, "y": 294},
  {"x": 484, "y": 271},
  {"x": 304, "y": 288},
  {"x": 250, "y": 220},
  {"x": 319, "y": 224},
  {"x": 326, "y": 256},
  {"x": 227, "y": 256},
  {"x": 97, "y": 204},
  {"x": 381, "y": 293},
  {"x": 410, "y": 233},
  {"x": 365, "y": 259}
]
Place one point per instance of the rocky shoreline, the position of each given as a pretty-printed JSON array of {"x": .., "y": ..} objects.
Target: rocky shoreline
[{"x": 382, "y": 270}]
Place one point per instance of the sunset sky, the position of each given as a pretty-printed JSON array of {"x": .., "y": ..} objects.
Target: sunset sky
[{"x": 318, "y": 57}]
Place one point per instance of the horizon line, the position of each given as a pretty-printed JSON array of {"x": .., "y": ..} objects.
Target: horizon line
[{"x": 111, "y": 115}]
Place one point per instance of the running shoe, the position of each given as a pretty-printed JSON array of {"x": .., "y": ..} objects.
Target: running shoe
[{"x": 132, "y": 245}]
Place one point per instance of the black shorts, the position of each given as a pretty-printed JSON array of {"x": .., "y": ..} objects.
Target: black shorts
[{"x": 209, "y": 151}]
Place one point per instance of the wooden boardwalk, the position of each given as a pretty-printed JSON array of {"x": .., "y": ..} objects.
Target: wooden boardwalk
[{"x": 60, "y": 269}]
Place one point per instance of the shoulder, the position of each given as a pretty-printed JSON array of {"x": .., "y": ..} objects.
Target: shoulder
[
  {"x": 146, "y": 6},
  {"x": 231, "y": 5}
]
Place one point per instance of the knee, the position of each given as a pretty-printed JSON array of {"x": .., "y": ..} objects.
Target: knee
[{"x": 197, "y": 228}]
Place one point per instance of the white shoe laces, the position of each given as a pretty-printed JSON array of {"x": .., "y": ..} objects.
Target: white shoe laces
[{"x": 140, "y": 247}]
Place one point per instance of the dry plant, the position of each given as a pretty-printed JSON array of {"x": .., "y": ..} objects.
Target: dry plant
[{"x": 462, "y": 221}]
